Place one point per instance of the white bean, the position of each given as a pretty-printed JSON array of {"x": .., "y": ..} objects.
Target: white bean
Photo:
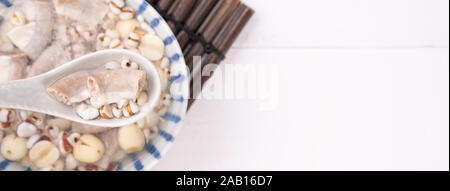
[
  {"x": 106, "y": 112},
  {"x": 26, "y": 129},
  {"x": 87, "y": 111},
  {"x": 33, "y": 140},
  {"x": 131, "y": 138},
  {"x": 43, "y": 154},
  {"x": 14, "y": 148},
  {"x": 70, "y": 162},
  {"x": 89, "y": 149},
  {"x": 133, "y": 107},
  {"x": 117, "y": 112}
]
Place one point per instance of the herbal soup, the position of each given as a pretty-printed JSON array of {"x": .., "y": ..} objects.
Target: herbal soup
[{"x": 39, "y": 35}]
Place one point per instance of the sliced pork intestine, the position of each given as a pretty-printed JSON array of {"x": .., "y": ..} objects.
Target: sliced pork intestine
[
  {"x": 109, "y": 139},
  {"x": 5, "y": 43},
  {"x": 33, "y": 37},
  {"x": 74, "y": 44},
  {"x": 112, "y": 86},
  {"x": 52, "y": 57},
  {"x": 71, "y": 89},
  {"x": 21, "y": 36},
  {"x": 12, "y": 66},
  {"x": 88, "y": 12}
]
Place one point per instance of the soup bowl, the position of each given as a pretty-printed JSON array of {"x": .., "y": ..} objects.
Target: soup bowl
[{"x": 177, "y": 87}]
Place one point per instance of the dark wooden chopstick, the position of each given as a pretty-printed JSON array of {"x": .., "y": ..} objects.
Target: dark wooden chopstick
[
  {"x": 180, "y": 11},
  {"x": 206, "y": 28},
  {"x": 210, "y": 29},
  {"x": 195, "y": 19},
  {"x": 224, "y": 40},
  {"x": 164, "y": 5}
]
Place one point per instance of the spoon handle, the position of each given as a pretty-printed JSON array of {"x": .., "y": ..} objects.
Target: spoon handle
[{"x": 21, "y": 94}]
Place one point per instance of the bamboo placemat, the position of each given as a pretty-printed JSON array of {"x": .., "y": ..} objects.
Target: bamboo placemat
[{"x": 206, "y": 28}]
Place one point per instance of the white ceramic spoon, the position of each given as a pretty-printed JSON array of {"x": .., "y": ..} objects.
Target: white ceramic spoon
[{"x": 31, "y": 94}]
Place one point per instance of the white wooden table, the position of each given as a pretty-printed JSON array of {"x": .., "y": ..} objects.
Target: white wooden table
[{"x": 363, "y": 85}]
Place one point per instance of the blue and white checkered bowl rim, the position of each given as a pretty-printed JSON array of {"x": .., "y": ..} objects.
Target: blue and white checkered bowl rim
[{"x": 171, "y": 122}]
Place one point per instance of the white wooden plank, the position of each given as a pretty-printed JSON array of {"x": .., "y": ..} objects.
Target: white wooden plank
[
  {"x": 347, "y": 23},
  {"x": 349, "y": 109}
]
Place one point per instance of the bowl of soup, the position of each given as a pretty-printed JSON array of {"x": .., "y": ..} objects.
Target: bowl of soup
[{"x": 37, "y": 36}]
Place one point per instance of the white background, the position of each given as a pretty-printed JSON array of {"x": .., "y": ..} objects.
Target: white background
[{"x": 363, "y": 85}]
